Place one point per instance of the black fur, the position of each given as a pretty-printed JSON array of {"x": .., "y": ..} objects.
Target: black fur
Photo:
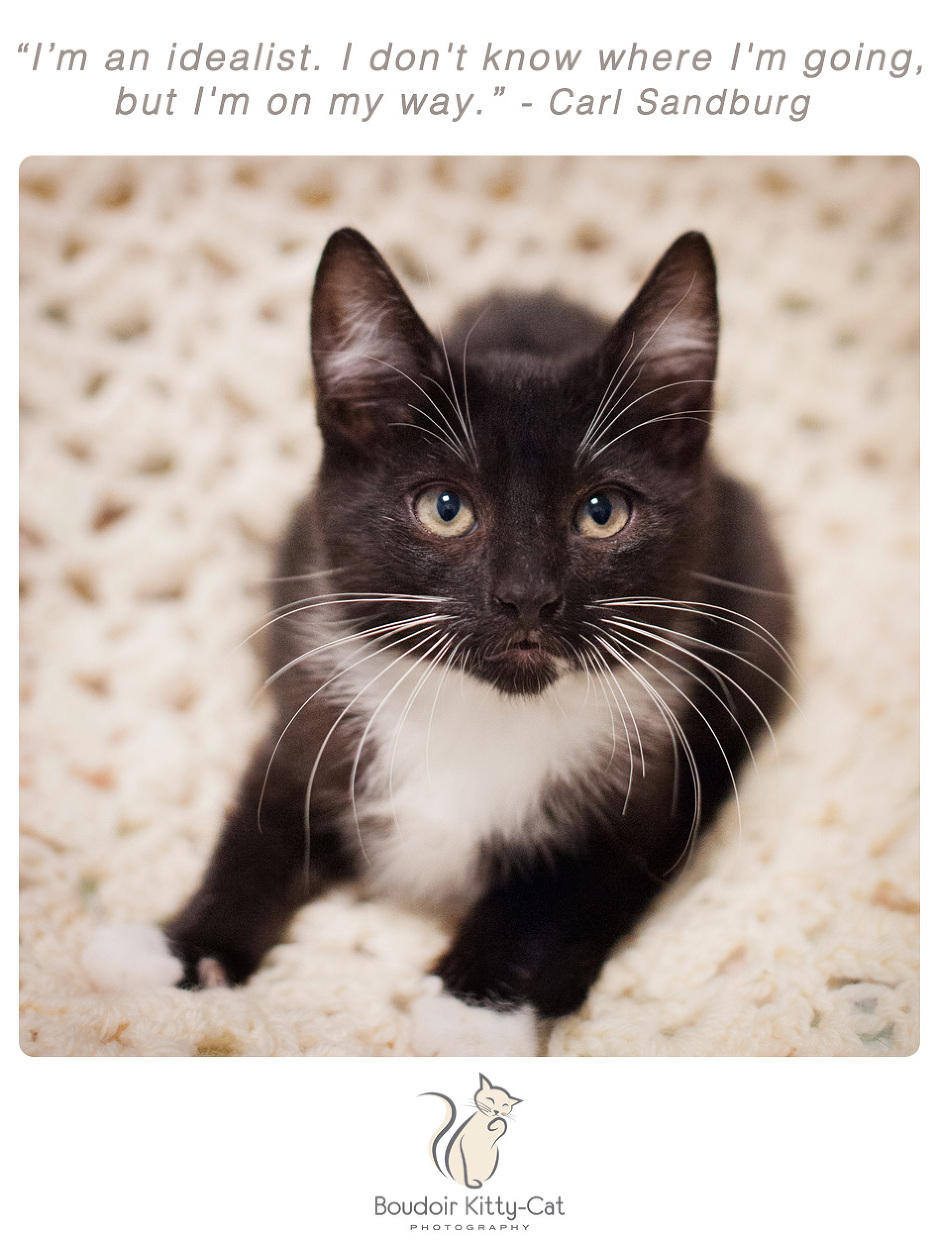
[{"x": 532, "y": 372}]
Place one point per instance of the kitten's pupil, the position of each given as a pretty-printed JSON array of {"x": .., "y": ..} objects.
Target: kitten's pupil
[
  {"x": 448, "y": 506},
  {"x": 443, "y": 511},
  {"x": 600, "y": 509},
  {"x": 603, "y": 514}
]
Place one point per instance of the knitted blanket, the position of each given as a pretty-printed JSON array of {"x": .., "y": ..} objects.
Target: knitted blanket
[{"x": 167, "y": 429}]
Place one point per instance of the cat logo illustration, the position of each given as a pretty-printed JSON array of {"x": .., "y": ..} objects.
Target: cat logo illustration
[{"x": 471, "y": 1154}]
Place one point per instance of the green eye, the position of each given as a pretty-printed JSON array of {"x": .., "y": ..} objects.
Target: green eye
[
  {"x": 445, "y": 511},
  {"x": 602, "y": 514}
]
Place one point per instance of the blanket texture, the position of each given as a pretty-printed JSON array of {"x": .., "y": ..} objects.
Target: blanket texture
[{"x": 166, "y": 431}]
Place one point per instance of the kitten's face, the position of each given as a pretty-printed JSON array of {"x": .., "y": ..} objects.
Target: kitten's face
[{"x": 520, "y": 491}]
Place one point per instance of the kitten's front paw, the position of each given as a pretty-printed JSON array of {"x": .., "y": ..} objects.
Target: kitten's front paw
[
  {"x": 123, "y": 957},
  {"x": 445, "y": 1026},
  {"x": 210, "y": 974}
]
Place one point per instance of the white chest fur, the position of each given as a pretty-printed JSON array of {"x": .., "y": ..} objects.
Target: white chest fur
[{"x": 454, "y": 764}]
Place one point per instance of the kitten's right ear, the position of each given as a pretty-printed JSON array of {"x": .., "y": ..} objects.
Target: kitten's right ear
[
  {"x": 371, "y": 350},
  {"x": 661, "y": 353}
]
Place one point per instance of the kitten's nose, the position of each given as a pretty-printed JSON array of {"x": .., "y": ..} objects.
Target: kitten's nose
[{"x": 530, "y": 604}]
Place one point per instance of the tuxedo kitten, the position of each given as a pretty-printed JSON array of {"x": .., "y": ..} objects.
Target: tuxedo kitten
[{"x": 525, "y": 631}]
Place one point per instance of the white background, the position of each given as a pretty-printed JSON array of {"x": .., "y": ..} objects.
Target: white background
[{"x": 654, "y": 1149}]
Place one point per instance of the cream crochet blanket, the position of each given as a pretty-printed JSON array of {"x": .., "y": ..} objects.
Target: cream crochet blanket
[{"x": 167, "y": 430}]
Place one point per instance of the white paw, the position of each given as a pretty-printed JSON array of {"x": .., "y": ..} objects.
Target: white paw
[
  {"x": 130, "y": 956},
  {"x": 211, "y": 974},
  {"x": 445, "y": 1026}
]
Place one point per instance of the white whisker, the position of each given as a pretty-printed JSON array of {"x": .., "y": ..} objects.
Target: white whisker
[
  {"x": 687, "y": 416},
  {"x": 717, "y": 613},
  {"x": 306, "y": 603},
  {"x": 370, "y": 634},
  {"x": 677, "y": 734},
  {"x": 743, "y": 587},
  {"x": 440, "y": 683},
  {"x": 445, "y": 426},
  {"x": 658, "y": 633},
  {"x": 331, "y": 732},
  {"x": 620, "y": 694},
  {"x": 723, "y": 701},
  {"x": 322, "y": 687},
  {"x": 362, "y": 741},
  {"x": 590, "y": 440},
  {"x": 312, "y": 574},
  {"x": 609, "y": 397}
]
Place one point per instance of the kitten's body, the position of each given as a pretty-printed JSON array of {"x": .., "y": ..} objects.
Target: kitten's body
[{"x": 526, "y": 631}]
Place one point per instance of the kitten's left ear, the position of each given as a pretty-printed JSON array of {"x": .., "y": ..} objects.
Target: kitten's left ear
[
  {"x": 484, "y": 1083},
  {"x": 371, "y": 350},
  {"x": 660, "y": 356}
]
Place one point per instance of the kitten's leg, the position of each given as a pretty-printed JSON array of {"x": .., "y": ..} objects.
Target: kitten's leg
[
  {"x": 259, "y": 874},
  {"x": 529, "y": 951},
  {"x": 263, "y": 868}
]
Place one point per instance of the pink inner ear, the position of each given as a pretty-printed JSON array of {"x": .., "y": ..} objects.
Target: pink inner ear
[
  {"x": 360, "y": 353},
  {"x": 675, "y": 313},
  {"x": 371, "y": 350},
  {"x": 363, "y": 325}
]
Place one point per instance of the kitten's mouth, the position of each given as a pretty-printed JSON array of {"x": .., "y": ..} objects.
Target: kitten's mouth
[
  {"x": 525, "y": 666},
  {"x": 526, "y": 645}
]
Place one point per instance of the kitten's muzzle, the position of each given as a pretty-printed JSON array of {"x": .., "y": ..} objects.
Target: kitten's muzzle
[{"x": 530, "y": 609}]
